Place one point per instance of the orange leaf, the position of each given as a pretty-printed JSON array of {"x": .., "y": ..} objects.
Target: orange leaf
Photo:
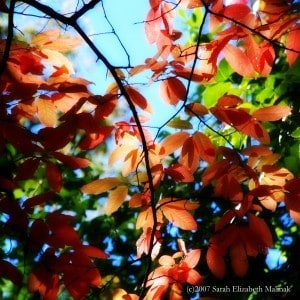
[
  {"x": 100, "y": 186},
  {"x": 229, "y": 101},
  {"x": 174, "y": 141},
  {"x": 204, "y": 147},
  {"x": 54, "y": 176},
  {"x": 138, "y": 99},
  {"x": 115, "y": 199},
  {"x": 176, "y": 212},
  {"x": 180, "y": 173},
  {"x": 172, "y": 90},
  {"x": 271, "y": 113},
  {"x": 46, "y": 112},
  {"x": 197, "y": 109}
]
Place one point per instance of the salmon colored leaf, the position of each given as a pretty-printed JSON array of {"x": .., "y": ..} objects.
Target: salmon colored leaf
[
  {"x": 100, "y": 186},
  {"x": 172, "y": 90},
  {"x": 272, "y": 113},
  {"x": 116, "y": 199},
  {"x": 239, "y": 61}
]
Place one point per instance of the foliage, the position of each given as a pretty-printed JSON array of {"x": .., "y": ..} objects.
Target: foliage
[{"x": 96, "y": 204}]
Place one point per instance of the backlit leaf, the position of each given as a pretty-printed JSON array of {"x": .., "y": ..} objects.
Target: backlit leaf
[
  {"x": 116, "y": 199},
  {"x": 172, "y": 90},
  {"x": 180, "y": 124},
  {"x": 100, "y": 186},
  {"x": 271, "y": 113}
]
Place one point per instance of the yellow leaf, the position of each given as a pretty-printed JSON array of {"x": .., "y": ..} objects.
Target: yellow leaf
[
  {"x": 115, "y": 199},
  {"x": 100, "y": 186},
  {"x": 180, "y": 124}
]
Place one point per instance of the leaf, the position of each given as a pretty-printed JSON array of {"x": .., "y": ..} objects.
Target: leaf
[
  {"x": 116, "y": 199},
  {"x": 204, "y": 147},
  {"x": 10, "y": 272},
  {"x": 293, "y": 43},
  {"x": 72, "y": 162},
  {"x": 44, "y": 282},
  {"x": 180, "y": 124},
  {"x": 272, "y": 113},
  {"x": 192, "y": 258},
  {"x": 180, "y": 173},
  {"x": 173, "y": 142},
  {"x": 229, "y": 101},
  {"x": 239, "y": 61},
  {"x": 49, "y": 39},
  {"x": 92, "y": 251},
  {"x": 38, "y": 200},
  {"x": 138, "y": 99},
  {"x": 93, "y": 139},
  {"x": 196, "y": 109},
  {"x": 215, "y": 262},
  {"x": 46, "y": 112},
  {"x": 176, "y": 212},
  {"x": 54, "y": 176},
  {"x": 239, "y": 260},
  {"x": 172, "y": 90},
  {"x": 27, "y": 169},
  {"x": 100, "y": 186}
]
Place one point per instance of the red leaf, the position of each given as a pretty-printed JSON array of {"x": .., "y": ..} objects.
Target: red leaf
[
  {"x": 172, "y": 90},
  {"x": 10, "y": 272},
  {"x": 38, "y": 234},
  {"x": 44, "y": 282},
  {"x": 215, "y": 262},
  {"x": 293, "y": 43},
  {"x": 38, "y": 200},
  {"x": 71, "y": 161},
  {"x": 27, "y": 169},
  {"x": 271, "y": 113},
  {"x": 239, "y": 259},
  {"x": 174, "y": 141},
  {"x": 92, "y": 251},
  {"x": 54, "y": 176}
]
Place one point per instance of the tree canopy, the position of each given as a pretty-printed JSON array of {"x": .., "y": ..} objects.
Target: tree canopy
[{"x": 96, "y": 202}]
